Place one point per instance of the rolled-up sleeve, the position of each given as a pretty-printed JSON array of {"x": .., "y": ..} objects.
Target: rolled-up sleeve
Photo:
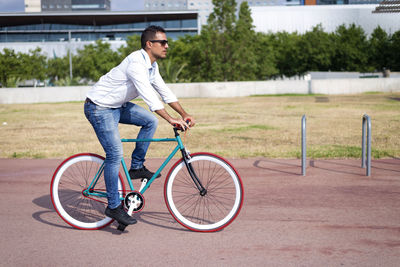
[{"x": 139, "y": 75}]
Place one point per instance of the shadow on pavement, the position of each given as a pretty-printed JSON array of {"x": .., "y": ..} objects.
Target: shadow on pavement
[
  {"x": 158, "y": 219},
  {"x": 274, "y": 165}
]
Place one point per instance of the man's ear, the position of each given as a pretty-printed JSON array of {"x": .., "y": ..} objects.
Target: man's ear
[{"x": 149, "y": 44}]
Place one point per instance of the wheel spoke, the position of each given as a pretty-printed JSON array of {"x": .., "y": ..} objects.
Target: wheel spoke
[
  {"x": 72, "y": 177},
  {"x": 218, "y": 207}
]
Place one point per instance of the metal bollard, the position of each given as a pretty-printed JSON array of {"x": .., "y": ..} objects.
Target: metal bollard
[
  {"x": 366, "y": 123},
  {"x": 303, "y": 145}
]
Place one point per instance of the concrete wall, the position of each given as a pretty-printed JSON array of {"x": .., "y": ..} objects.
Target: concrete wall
[
  {"x": 215, "y": 89},
  {"x": 235, "y": 89},
  {"x": 355, "y": 86}
]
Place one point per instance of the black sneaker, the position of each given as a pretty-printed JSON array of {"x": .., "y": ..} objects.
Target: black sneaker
[
  {"x": 142, "y": 173},
  {"x": 120, "y": 215}
]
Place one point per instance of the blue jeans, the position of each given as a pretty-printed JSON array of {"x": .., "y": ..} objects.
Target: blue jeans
[{"x": 105, "y": 124}]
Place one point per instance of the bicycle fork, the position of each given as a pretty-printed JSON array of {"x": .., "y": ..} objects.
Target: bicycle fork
[{"x": 186, "y": 157}]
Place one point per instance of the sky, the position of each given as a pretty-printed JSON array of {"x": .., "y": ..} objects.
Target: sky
[
  {"x": 116, "y": 5},
  {"x": 12, "y": 5}
]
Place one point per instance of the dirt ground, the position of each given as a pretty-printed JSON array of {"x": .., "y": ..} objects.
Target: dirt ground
[{"x": 333, "y": 216}]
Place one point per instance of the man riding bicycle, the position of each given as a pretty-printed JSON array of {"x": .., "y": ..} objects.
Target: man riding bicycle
[{"x": 107, "y": 104}]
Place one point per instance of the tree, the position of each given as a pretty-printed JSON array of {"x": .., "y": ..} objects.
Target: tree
[
  {"x": 57, "y": 68},
  {"x": 379, "y": 47},
  {"x": 244, "y": 58},
  {"x": 351, "y": 49},
  {"x": 316, "y": 51},
  {"x": 266, "y": 57},
  {"x": 15, "y": 67},
  {"x": 95, "y": 60},
  {"x": 191, "y": 51},
  {"x": 227, "y": 46},
  {"x": 218, "y": 42},
  {"x": 223, "y": 17},
  {"x": 287, "y": 51},
  {"x": 394, "y": 51},
  {"x": 33, "y": 65},
  {"x": 10, "y": 65},
  {"x": 132, "y": 44},
  {"x": 170, "y": 71},
  {"x": 175, "y": 68}
]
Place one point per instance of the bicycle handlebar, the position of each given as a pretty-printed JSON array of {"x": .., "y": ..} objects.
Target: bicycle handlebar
[{"x": 178, "y": 128}]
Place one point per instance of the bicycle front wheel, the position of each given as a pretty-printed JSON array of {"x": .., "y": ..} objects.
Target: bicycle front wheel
[
  {"x": 218, "y": 207},
  {"x": 68, "y": 192}
]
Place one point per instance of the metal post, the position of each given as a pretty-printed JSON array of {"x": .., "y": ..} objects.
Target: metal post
[
  {"x": 303, "y": 145},
  {"x": 70, "y": 54},
  {"x": 366, "y": 138}
]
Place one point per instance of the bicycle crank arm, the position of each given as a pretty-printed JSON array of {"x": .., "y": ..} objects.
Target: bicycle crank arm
[
  {"x": 130, "y": 211},
  {"x": 144, "y": 182}
]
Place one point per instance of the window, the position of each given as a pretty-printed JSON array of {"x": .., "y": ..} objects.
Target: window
[
  {"x": 172, "y": 24},
  {"x": 189, "y": 23}
]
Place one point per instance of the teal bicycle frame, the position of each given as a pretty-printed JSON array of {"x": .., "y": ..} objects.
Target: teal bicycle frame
[{"x": 90, "y": 192}]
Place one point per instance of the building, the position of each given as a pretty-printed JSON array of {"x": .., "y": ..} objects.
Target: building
[
  {"x": 205, "y": 7},
  {"x": 153, "y": 5},
  {"x": 74, "y": 5},
  {"x": 388, "y": 6},
  {"x": 347, "y": 2},
  {"x": 301, "y": 19},
  {"x": 33, "y": 6},
  {"x": 56, "y": 32}
]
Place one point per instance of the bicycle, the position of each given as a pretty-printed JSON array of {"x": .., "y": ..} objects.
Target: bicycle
[{"x": 203, "y": 192}]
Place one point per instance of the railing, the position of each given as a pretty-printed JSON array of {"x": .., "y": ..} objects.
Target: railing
[{"x": 366, "y": 145}]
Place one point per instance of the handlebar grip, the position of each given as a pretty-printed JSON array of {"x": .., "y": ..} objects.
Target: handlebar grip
[{"x": 177, "y": 126}]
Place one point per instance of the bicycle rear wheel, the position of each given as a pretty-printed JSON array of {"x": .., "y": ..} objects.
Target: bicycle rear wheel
[
  {"x": 72, "y": 177},
  {"x": 216, "y": 209}
]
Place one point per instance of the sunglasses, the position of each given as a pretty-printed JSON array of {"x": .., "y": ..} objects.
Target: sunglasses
[{"x": 162, "y": 42}]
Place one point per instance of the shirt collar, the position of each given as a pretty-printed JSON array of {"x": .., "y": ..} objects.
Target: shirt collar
[{"x": 147, "y": 59}]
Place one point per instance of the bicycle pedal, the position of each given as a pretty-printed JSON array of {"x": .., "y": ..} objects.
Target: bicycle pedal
[{"x": 121, "y": 227}]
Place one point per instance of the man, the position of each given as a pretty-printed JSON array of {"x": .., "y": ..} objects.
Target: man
[{"x": 107, "y": 104}]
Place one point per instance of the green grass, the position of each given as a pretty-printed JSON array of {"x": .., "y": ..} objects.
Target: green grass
[
  {"x": 241, "y": 127},
  {"x": 286, "y": 95},
  {"x": 27, "y": 154}
]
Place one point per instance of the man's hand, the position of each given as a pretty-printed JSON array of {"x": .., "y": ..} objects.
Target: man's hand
[
  {"x": 179, "y": 123},
  {"x": 189, "y": 120},
  {"x": 186, "y": 117}
]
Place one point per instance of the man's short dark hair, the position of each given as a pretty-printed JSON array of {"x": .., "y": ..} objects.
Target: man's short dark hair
[{"x": 149, "y": 34}]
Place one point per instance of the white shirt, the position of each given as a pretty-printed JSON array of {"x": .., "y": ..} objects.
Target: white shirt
[{"x": 134, "y": 76}]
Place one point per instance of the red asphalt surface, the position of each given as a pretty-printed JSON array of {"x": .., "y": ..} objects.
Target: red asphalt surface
[{"x": 333, "y": 216}]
